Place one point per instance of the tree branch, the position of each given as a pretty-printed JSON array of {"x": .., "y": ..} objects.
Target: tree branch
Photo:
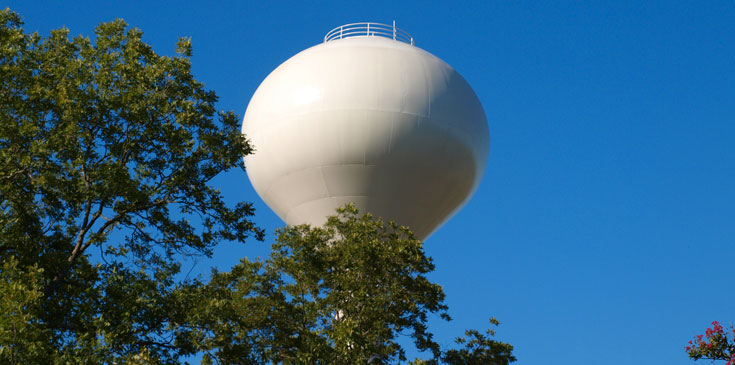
[
  {"x": 87, "y": 224},
  {"x": 79, "y": 246}
]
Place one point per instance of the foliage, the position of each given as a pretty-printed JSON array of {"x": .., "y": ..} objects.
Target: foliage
[
  {"x": 106, "y": 145},
  {"x": 343, "y": 294},
  {"x": 21, "y": 334},
  {"x": 480, "y": 349},
  {"x": 107, "y": 151},
  {"x": 715, "y": 344}
]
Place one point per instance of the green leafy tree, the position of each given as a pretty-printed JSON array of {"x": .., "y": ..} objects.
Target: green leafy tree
[
  {"x": 716, "y": 344},
  {"x": 106, "y": 146},
  {"x": 480, "y": 349},
  {"x": 21, "y": 335},
  {"x": 343, "y": 293},
  {"x": 107, "y": 151}
]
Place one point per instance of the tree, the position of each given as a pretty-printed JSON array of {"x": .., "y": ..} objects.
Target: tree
[
  {"x": 338, "y": 294},
  {"x": 21, "y": 334},
  {"x": 107, "y": 151},
  {"x": 480, "y": 349},
  {"x": 715, "y": 344},
  {"x": 106, "y": 147}
]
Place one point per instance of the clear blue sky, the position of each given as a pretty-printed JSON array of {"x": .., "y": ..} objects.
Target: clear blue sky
[{"x": 603, "y": 231}]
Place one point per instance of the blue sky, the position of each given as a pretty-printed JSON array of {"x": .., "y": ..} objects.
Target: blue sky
[{"x": 603, "y": 230}]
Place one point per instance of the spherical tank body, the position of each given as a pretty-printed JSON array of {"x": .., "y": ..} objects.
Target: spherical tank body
[{"x": 368, "y": 120}]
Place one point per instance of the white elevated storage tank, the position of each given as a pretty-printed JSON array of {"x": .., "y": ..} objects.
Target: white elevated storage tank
[{"x": 366, "y": 117}]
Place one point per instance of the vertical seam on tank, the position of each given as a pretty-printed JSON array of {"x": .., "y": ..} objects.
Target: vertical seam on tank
[
  {"x": 365, "y": 136},
  {"x": 390, "y": 138},
  {"x": 430, "y": 92},
  {"x": 324, "y": 181}
]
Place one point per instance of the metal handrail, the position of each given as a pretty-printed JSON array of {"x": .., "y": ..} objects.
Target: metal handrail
[{"x": 369, "y": 30}]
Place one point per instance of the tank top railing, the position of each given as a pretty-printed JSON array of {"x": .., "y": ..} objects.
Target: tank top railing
[{"x": 369, "y": 30}]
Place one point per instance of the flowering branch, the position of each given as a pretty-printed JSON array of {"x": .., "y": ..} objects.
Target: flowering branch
[{"x": 715, "y": 344}]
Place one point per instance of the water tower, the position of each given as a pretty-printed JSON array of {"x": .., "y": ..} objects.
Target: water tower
[{"x": 366, "y": 117}]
